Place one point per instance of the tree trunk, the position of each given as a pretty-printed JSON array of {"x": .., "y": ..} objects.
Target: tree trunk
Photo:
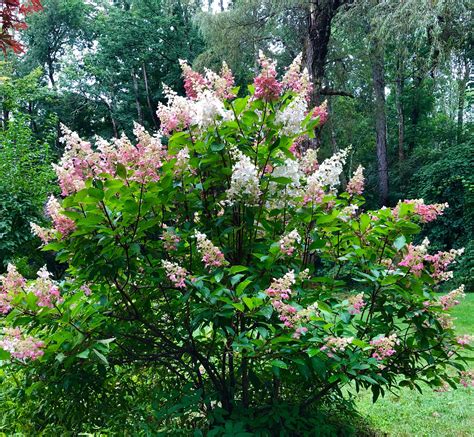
[
  {"x": 148, "y": 97},
  {"x": 415, "y": 112},
  {"x": 320, "y": 15},
  {"x": 399, "y": 87},
  {"x": 377, "y": 61},
  {"x": 137, "y": 100},
  {"x": 462, "y": 83},
  {"x": 50, "y": 63}
]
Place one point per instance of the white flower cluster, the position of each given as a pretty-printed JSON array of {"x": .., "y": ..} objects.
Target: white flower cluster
[
  {"x": 207, "y": 108},
  {"x": 279, "y": 198},
  {"x": 292, "y": 116},
  {"x": 244, "y": 185},
  {"x": 328, "y": 173}
]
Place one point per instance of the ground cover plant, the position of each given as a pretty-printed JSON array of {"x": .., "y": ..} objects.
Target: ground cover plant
[{"x": 218, "y": 272}]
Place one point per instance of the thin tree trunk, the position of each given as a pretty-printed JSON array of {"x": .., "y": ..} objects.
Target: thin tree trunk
[
  {"x": 415, "y": 113},
  {"x": 399, "y": 87},
  {"x": 112, "y": 118},
  {"x": 377, "y": 60},
  {"x": 137, "y": 100},
  {"x": 148, "y": 97},
  {"x": 50, "y": 63},
  {"x": 461, "y": 99}
]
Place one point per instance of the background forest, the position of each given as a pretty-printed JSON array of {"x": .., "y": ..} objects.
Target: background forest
[{"x": 397, "y": 77}]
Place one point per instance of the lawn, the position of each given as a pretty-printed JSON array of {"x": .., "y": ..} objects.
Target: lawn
[{"x": 431, "y": 414}]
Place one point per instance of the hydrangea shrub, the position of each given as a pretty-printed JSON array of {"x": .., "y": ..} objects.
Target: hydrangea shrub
[{"x": 223, "y": 254}]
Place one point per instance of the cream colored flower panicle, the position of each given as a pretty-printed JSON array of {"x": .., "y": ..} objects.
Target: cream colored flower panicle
[{"x": 244, "y": 185}]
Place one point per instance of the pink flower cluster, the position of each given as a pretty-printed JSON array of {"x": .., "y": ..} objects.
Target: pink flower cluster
[
  {"x": 427, "y": 213},
  {"x": 266, "y": 84},
  {"x": 415, "y": 257},
  {"x": 336, "y": 344},
  {"x": 309, "y": 161},
  {"x": 321, "y": 111},
  {"x": 21, "y": 347},
  {"x": 464, "y": 340},
  {"x": 467, "y": 378},
  {"x": 356, "y": 184},
  {"x": 281, "y": 288},
  {"x": 384, "y": 346},
  {"x": 441, "y": 261},
  {"x": 45, "y": 290},
  {"x": 175, "y": 273},
  {"x": 80, "y": 162},
  {"x": 61, "y": 223},
  {"x": 45, "y": 235},
  {"x": 287, "y": 243},
  {"x": 297, "y": 79},
  {"x": 357, "y": 303},
  {"x": 170, "y": 238},
  {"x": 195, "y": 83},
  {"x": 452, "y": 298},
  {"x": 12, "y": 284},
  {"x": 211, "y": 255}
]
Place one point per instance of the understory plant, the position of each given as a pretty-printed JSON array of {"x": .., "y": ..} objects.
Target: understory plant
[{"x": 222, "y": 257}]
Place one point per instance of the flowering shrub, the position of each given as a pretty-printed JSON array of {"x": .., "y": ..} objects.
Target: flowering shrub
[{"x": 223, "y": 254}]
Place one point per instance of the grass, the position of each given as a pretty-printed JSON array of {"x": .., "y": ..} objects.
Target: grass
[{"x": 432, "y": 413}]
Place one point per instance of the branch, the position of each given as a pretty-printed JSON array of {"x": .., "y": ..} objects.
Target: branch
[{"x": 333, "y": 92}]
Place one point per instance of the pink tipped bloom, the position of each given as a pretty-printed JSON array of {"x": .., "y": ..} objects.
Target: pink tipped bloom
[
  {"x": 452, "y": 298},
  {"x": 384, "y": 346},
  {"x": 321, "y": 111},
  {"x": 21, "y": 347},
  {"x": 194, "y": 82},
  {"x": 266, "y": 84},
  {"x": 336, "y": 344},
  {"x": 45, "y": 290},
  {"x": 464, "y": 340},
  {"x": 467, "y": 378},
  {"x": 12, "y": 284},
  {"x": 175, "y": 273},
  {"x": 211, "y": 255},
  {"x": 45, "y": 235},
  {"x": 170, "y": 239},
  {"x": 441, "y": 261},
  {"x": 427, "y": 213},
  {"x": 297, "y": 79},
  {"x": 62, "y": 224},
  {"x": 356, "y": 184},
  {"x": 288, "y": 242},
  {"x": 414, "y": 257},
  {"x": 357, "y": 303}
]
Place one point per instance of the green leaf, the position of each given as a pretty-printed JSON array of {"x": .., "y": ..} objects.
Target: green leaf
[
  {"x": 4, "y": 355},
  {"x": 237, "y": 269},
  {"x": 280, "y": 364},
  {"x": 84, "y": 354},
  {"x": 400, "y": 242},
  {"x": 101, "y": 357},
  {"x": 121, "y": 171},
  {"x": 242, "y": 286},
  {"x": 217, "y": 147}
]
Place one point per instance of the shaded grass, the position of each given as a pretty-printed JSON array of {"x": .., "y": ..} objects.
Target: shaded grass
[{"x": 431, "y": 414}]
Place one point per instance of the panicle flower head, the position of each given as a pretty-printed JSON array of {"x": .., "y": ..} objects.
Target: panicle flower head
[
  {"x": 182, "y": 162},
  {"x": 356, "y": 184},
  {"x": 464, "y": 340},
  {"x": 309, "y": 161},
  {"x": 62, "y": 224},
  {"x": 292, "y": 116},
  {"x": 281, "y": 288},
  {"x": 211, "y": 255},
  {"x": 336, "y": 344},
  {"x": 297, "y": 79},
  {"x": 177, "y": 114},
  {"x": 207, "y": 109},
  {"x": 356, "y": 303},
  {"x": 445, "y": 320},
  {"x": 414, "y": 257},
  {"x": 287, "y": 242},
  {"x": 245, "y": 184},
  {"x": 194, "y": 82},
  {"x": 45, "y": 289},
  {"x": 321, "y": 111},
  {"x": 427, "y": 213},
  {"x": 467, "y": 378},
  {"x": 21, "y": 347},
  {"x": 221, "y": 84},
  {"x": 175, "y": 273},
  {"x": 45, "y": 235},
  {"x": 12, "y": 284},
  {"x": 170, "y": 238},
  {"x": 452, "y": 298},
  {"x": 266, "y": 84},
  {"x": 384, "y": 346},
  {"x": 441, "y": 261}
]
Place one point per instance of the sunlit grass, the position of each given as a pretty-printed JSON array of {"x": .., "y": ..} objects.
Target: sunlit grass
[{"x": 430, "y": 414}]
